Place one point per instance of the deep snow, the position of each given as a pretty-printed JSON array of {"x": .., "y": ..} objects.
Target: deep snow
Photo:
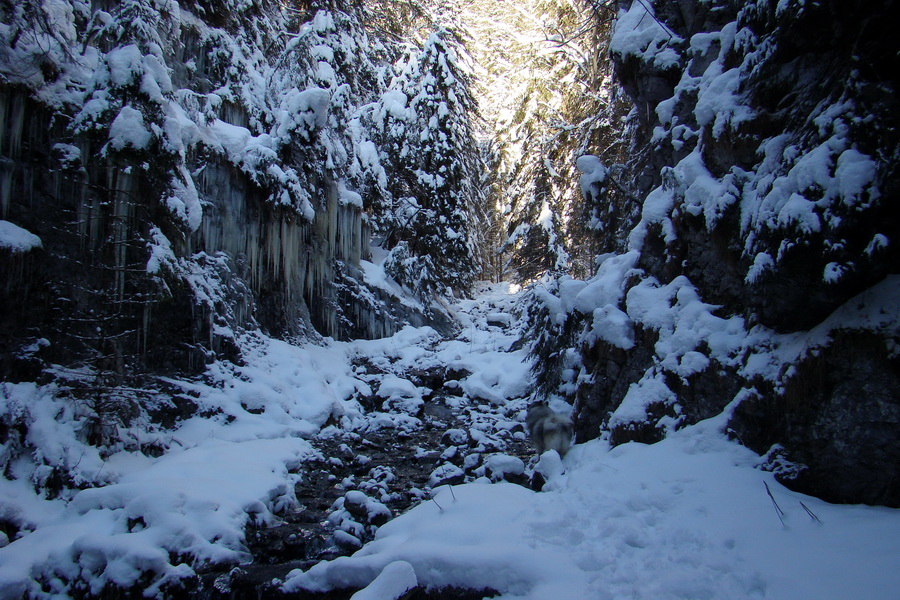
[{"x": 689, "y": 517}]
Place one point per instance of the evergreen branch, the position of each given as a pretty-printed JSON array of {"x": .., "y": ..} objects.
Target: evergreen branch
[{"x": 624, "y": 190}]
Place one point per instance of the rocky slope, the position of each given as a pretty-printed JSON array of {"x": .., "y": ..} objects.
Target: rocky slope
[
  {"x": 758, "y": 278},
  {"x": 298, "y": 455}
]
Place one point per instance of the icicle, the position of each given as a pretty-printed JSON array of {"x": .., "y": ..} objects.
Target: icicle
[
  {"x": 12, "y": 115},
  {"x": 146, "y": 327},
  {"x": 234, "y": 114},
  {"x": 291, "y": 256},
  {"x": 120, "y": 185}
]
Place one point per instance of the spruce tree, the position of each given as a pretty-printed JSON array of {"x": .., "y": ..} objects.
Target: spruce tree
[{"x": 435, "y": 168}]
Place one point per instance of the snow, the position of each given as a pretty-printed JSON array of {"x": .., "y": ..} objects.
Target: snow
[
  {"x": 304, "y": 111},
  {"x": 68, "y": 154},
  {"x": 704, "y": 194},
  {"x": 17, "y": 239},
  {"x": 638, "y": 33},
  {"x": 183, "y": 504},
  {"x": 686, "y": 518},
  {"x": 128, "y": 129},
  {"x": 879, "y": 241},
  {"x": 444, "y": 472},
  {"x": 161, "y": 252},
  {"x": 400, "y": 394},
  {"x": 854, "y": 173},
  {"x": 875, "y": 309},
  {"x": 497, "y": 374},
  {"x": 762, "y": 263},
  {"x": 498, "y": 465},
  {"x": 347, "y": 196},
  {"x": 613, "y": 326},
  {"x": 684, "y": 321},
  {"x": 123, "y": 64},
  {"x": 835, "y": 172},
  {"x": 656, "y": 209},
  {"x": 217, "y": 475},
  {"x": 393, "y": 103},
  {"x": 294, "y": 103},
  {"x": 239, "y": 144},
  {"x": 392, "y": 583},
  {"x": 608, "y": 286},
  {"x": 719, "y": 102},
  {"x": 833, "y": 272},
  {"x": 593, "y": 172},
  {"x": 650, "y": 390},
  {"x": 804, "y": 186},
  {"x": 184, "y": 201}
]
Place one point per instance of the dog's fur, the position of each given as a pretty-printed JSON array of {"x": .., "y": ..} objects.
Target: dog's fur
[{"x": 548, "y": 430}]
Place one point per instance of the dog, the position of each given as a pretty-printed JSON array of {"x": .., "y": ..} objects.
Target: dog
[{"x": 548, "y": 430}]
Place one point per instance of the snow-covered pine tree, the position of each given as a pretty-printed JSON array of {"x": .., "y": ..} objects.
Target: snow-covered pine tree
[
  {"x": 535, "y": 242},
  {"x": 435, "y": 167},
  {"x": 552, "y": 101}
]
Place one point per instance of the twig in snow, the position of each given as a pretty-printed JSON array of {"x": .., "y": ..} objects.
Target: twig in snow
[
  {"x": 77, "y": 463},
  {"x": 649, "y": 11},
  {"x": 452, "y": 493},
  {"x": 438, "y": 505},
  {"x": 778, "y": 510},
  {"x": 810, "y": 513}
]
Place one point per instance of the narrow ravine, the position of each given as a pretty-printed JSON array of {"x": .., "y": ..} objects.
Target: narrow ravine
[
  {"x": 244, "y": 353},
  {"x": 443, "y": 411}
]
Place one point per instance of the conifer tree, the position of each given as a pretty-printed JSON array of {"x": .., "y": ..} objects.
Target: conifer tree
[
  {"x": 435, "y": 167},
  {"x": 554, "y": 103}
]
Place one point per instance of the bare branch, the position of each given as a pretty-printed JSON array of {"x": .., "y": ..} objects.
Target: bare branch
[
  {"x": 810, "y": 513},
  {"x": 778, "y": 510}
]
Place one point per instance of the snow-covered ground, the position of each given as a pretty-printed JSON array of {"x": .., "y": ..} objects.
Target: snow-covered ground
[{"x": 688, "y": 518}]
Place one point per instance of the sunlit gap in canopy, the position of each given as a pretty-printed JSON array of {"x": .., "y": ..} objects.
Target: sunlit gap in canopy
[
  {"x": 507, "y": 38},
  {"x": 506, "y": 41}
]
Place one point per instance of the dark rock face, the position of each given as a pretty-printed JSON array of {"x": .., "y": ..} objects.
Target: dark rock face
[
  {"x": 284, "y": 260},
  {"x": 819, "y": 89},
  {"x": 838, "y": 421},
  {"x": 614, "y": 371},
  {"x": 786, "y": 90}
]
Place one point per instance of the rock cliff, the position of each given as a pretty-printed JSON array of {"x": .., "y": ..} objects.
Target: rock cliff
[
  {"x": 759, "y": 282},
  {"x": 190, "y": 171}
]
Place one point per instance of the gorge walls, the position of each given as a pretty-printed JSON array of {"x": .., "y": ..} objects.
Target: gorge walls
[
  {"x": 190, "y": 172},
  {"x": 760, "y": 280}
]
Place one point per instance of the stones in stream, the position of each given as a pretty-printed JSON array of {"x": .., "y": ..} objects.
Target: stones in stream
[
  {"x": 423, "y": 423},
  {"x": 363, "y": 480}
]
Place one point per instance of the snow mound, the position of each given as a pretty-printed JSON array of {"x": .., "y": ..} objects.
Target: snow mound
[
  {"x": 180, "y": 505},
  {"x": 393, "y": 583},
  {"x": 17, "y": 239},
  {"x": 688, "y": 517}
]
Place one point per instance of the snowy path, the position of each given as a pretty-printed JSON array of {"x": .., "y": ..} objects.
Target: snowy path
[{"x": 688, "y": 518}]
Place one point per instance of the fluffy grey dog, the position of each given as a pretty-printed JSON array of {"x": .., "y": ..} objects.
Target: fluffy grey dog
[{"x": 548, "y": 430}]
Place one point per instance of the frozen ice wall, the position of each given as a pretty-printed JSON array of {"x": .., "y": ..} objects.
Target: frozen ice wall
[{"x": 190, "y": 173}]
